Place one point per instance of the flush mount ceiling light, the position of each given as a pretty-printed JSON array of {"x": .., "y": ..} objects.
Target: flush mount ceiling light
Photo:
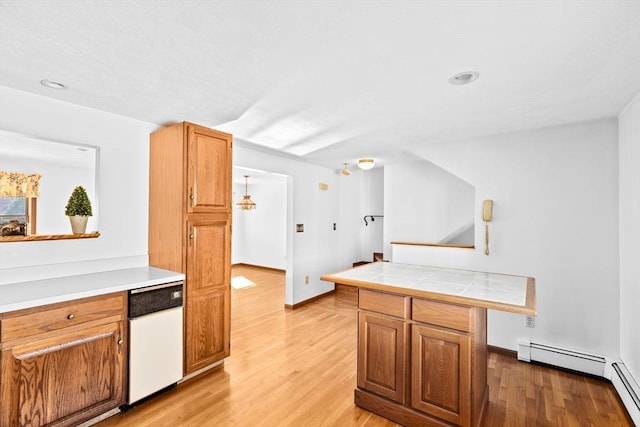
[
  {"x": 365, "y": 164},
  {"x": 51, "y": 84},
  {"x": 463, "y": 78},
  {"x": 345, "y": 171},
  {"x": 246, "y": 204}
]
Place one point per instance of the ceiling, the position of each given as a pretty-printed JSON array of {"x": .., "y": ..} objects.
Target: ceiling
[{"x": 330, "y": 82}]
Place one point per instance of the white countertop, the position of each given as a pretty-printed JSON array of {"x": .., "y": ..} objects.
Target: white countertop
[
  {"x": 21, "y": 295},
  {"x": 490, "y": 290}
]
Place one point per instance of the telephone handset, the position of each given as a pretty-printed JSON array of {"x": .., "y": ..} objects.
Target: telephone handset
[
  {"x": 487, "y": 214},
  {"x": 487, "y": 210}
]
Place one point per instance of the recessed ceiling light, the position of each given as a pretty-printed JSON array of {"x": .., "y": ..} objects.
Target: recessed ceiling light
[
  {"x": 463, "y": 78},
  {"x": 52, "y": 84}
]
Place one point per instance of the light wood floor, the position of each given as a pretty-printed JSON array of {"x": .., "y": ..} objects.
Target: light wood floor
[{"x": 297, "y": 368}]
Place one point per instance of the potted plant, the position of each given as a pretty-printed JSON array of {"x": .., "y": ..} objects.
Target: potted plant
[{"x": 78, "y": 210}]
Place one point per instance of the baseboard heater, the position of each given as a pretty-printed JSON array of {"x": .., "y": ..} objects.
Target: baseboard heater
[
  {"x": 627, "y": 389},
  {"x": 561, "y": 357},
  {"x": 623, "y": 382}
]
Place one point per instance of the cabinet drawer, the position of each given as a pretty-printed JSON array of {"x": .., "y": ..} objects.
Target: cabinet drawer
[
  {"x": 380, "y": 302},
  {"x": 37, "y": 320},
  {"x": 442, "y": 314}
]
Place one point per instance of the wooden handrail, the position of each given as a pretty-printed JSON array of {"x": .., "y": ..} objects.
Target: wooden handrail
[{"x": 443, "y": 245}]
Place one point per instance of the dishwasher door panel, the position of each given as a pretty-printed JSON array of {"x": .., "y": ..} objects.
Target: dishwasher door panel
[{"x": 155, "y": 352}]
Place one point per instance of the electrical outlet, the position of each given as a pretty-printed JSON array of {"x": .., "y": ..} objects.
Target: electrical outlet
[
  {"x": 530, "y": 322},
  {"x": 306, "y": 280}
]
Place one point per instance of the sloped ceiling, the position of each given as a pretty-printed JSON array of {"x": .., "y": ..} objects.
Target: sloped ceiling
[{"x": 330, "y": 82}]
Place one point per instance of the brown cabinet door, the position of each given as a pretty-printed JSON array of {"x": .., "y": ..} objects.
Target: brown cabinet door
[
  {"x": 382, "y": 355},
  {"x": 63, "y": 380},
  {"x": 208, "y": 295},
  {"x": 207, "y": 337},
  {"x": 441, "y": 377},
  {"x": 209, "y": 170}
]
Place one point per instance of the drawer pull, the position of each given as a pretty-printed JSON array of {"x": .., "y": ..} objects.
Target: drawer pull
[
  {"x": 70, "y": 316},
  {"x": 120, "y": 341}
]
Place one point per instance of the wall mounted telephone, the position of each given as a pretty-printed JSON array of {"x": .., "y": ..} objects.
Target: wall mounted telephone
[
  {"x": 487, "y": 210},
  {"x": 487, "y": 214}
]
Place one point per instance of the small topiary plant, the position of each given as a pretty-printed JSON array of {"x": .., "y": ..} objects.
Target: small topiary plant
[{"x": 79, "y": 203}]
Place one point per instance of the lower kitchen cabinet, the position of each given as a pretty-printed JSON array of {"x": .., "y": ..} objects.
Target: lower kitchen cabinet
[
  {"x": 62, "y": 364},
  {"x": 421, "y": 362},
  {"x": 382, "y": 356},
  {"x": 440, "y": 373},
  {"x": 207, "y": 333}
]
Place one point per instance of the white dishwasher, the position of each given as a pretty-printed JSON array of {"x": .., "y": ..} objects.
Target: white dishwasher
[{"x": 155, "y": 339}]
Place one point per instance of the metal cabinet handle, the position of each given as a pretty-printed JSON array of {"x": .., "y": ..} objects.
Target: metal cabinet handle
[{"x": 70, "y": 316}]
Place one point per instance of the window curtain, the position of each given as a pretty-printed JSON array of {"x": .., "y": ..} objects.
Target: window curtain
[{"x": 17, "y": 184}]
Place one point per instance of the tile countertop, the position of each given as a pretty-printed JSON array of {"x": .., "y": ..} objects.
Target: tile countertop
[
  {"x": 17, "y": 296},
  {"x": 502, "y": 292}
]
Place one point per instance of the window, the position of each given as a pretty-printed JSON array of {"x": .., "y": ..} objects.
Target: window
[{"x": 17, "y": 216}]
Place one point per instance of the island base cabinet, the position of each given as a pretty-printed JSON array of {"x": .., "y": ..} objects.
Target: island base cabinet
[
  {"x": 63, "y": 380},
  {"x": 396, "y": 412},
  {"x": 421, "y": 362}
]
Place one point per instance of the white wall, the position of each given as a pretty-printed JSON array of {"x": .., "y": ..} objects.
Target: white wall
[
  {"x": 432, "y": 204},
  {"x": 629, "y": 140},
  {"x": 555, "y": 218},
  {"x": 318, "y": 249},
  {"x": 259, "y": 236},
  {"x": 122, "y": 181},
  {"x": 372, "y": 203},
  {"x": 349, "y": 219},
  {"x": 123, "y": 203}
]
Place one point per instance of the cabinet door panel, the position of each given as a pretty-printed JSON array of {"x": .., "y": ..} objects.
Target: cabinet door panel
[
  {"x": 66, "y": 379},
  {"x": 208, "y": 302},
  {"x": 208, "y": 255},
  {"x": 440, "y": 383},
  {"x": 209, "y": 170},
  {"x": 207, "y": 338},
  {"x": 381, "y": 355}
]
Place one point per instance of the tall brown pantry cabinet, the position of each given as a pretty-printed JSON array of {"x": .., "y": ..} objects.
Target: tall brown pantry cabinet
[{"x": 190, "y": 231}]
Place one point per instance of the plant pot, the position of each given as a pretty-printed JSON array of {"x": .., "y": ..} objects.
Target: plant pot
[{"x": 78, "y": 223}]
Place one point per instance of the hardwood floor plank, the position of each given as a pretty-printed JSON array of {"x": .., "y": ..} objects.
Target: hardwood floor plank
[{"x": 298, "y": 368}]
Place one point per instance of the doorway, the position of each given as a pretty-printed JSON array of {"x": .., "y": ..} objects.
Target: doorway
[{"x": 260, "y": 236}]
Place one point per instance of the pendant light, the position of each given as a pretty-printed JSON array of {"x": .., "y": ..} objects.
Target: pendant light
[
  {"x": 346, "y": 171},
  {"x": 246, "y": 204}
]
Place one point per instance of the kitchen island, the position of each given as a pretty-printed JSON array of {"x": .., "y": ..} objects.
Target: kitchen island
[{"x": 422, "y": 338}]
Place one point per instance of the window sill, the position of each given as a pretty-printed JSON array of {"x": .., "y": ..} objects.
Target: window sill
[{"x": 35, "y": 237}]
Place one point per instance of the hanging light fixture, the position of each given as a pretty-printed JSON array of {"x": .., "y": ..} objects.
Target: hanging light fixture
[
  {"x": 246, "y": 204},
  {"x": 365, "y": 164},
  {"x": 346, "y": 171}
]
